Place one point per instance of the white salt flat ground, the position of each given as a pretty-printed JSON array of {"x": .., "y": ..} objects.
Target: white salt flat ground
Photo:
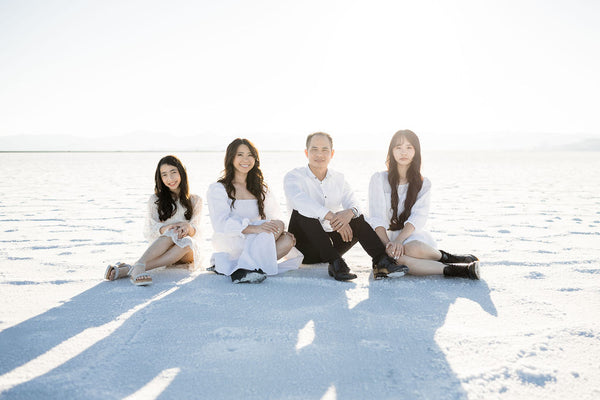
[{"x": 528, "y": 330}]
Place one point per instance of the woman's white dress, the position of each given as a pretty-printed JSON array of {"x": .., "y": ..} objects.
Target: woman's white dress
[
  {"x": 153, "y": 225},
  {"x": 380, "y": 208},
  {"x": 236, "y": 250}
]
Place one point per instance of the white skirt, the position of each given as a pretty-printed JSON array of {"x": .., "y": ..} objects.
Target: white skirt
[
  {"x": 421, "y": 236},
  {"x": 251, "y": 252}
]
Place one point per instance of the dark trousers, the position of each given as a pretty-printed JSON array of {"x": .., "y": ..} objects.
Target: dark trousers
[{"x": 319, "y": 246}]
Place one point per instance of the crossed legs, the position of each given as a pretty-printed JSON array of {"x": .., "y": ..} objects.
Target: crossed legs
[
  {"x": 164, "y": 252},
  {"x": 319, "y": 246},
  {"x": 421, "y": 259}
]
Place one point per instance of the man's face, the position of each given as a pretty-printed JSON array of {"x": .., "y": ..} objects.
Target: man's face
[{"x": 319, "y": 152}]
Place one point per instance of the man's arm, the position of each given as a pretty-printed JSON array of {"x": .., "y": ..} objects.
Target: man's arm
[{"x": 298, "y": 198}]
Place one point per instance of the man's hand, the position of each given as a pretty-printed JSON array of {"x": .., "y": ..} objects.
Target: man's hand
[
  {"x": 341, "y": 218},
  {"x": 346, "y": 233}
]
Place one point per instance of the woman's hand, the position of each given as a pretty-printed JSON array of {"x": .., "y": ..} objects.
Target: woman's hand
[
  {"x": 275, "y": 227},
  {"x": 168, "y": 227},
  {"x": 394, "y": 250},
  {"x": 182, "y": 229}
]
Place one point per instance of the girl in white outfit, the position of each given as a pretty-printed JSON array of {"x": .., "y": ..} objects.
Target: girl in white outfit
[
  {"x": 172, "y": 225},
  {"x": 398, "y": 211},
  {"x": 248, "y": 239}
]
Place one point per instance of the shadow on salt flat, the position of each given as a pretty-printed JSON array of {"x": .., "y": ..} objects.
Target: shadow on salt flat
[
  {"x": 212, "y": 331},
  {"x": 23, "y": 283},
  {"x": 535, "y": 378},
  {"x": 535, "y": 275},
  {"x": 588, "y": 271}
]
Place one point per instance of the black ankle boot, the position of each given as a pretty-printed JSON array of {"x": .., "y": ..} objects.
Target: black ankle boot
[
  {"x": 340, "y": 271},
  {"x": 386, "y": 267},
  {"x": 470, "y": 271},
  {"x": 448, "y": 258}
]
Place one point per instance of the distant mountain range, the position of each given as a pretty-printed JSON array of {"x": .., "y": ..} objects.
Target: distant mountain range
[
  {"x": 592, "y": 144},
  {"x": 138, "y": 141},
  {"x": 152, "y": 141}
]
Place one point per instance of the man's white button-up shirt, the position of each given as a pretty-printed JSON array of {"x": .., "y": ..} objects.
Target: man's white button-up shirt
[{"x": 314, "y": 198}]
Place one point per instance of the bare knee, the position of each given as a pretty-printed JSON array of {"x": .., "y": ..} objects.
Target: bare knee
[
  {"x": 420, "y": 250},
  {"x": 286, "y": 241},
  {"x": 284, "y": 244}
]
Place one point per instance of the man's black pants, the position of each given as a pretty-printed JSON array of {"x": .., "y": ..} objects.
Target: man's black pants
[{"x": 319, "y": 246}]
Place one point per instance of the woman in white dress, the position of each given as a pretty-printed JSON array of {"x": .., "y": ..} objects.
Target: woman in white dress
[
  {"x": 172, "y": 225},
  {"x": 248, "y": 239},
  {"x": 398, "y": 211}
]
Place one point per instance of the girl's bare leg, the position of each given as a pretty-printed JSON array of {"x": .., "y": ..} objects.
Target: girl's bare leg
[
  {"x": 284, "y": 244},
  {"x": 156, "y": 249},
  {"x": 171, "y": 256},
  {"x": 418, "y": 266},
  {"x": 422, "y": 251},
  {"x": 163, "y": 252}
]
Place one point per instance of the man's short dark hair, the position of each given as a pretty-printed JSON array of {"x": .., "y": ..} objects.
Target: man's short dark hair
[{"x": 327, "y": 135}]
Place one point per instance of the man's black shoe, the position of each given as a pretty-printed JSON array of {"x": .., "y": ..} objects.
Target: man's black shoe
[{"x": 340, "y": 271}]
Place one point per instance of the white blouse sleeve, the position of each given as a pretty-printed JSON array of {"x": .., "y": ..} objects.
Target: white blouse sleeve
[
  {"x": 221, "y": 217},
  {"x": 153, "y": 224},
  {"x": 378, "y": 206},
  {"x": 272, "y": 210},
  {"x": 197, "y": 214},
  {"x": 420, "y": 210}
]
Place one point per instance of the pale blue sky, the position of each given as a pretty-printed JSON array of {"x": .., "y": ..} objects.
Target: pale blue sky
[{"x": 257, "y": 68}]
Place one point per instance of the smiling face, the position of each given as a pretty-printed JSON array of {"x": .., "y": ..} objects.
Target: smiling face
[
  {"x": 170, "y": 176},
  {"x": 403, "y": 152},
  {"x": 319, "y": 152},
  {"x": 244, "y": 160}
]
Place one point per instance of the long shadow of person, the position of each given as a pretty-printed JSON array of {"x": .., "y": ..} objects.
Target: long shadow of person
[
  {"x": 395, "y": 340},
  {"x": 385, "y": 346},
  {"x": 292, "y": 337},
  {"x": 39, "y": 343},
  {"x": 209, "y": 338}
]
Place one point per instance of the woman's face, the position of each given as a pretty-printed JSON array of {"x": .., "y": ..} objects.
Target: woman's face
[
  {"x": 170, "y": 177},
  {"x": 244, "y": 160},
  {"x": 404, "y": 152}
]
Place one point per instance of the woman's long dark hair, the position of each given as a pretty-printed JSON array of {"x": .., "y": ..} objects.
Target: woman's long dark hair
[
  {"x": 165, "y": 202},
  {"x": 254, "y": 181},
  {"x": 413, "y": 175}
]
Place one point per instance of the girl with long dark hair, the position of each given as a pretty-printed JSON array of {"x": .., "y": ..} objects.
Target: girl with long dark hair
[
  {"x": 249, "y": 238},
  {"x": 172, "y": 224},
  {"x": 398, "y": 210}
]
